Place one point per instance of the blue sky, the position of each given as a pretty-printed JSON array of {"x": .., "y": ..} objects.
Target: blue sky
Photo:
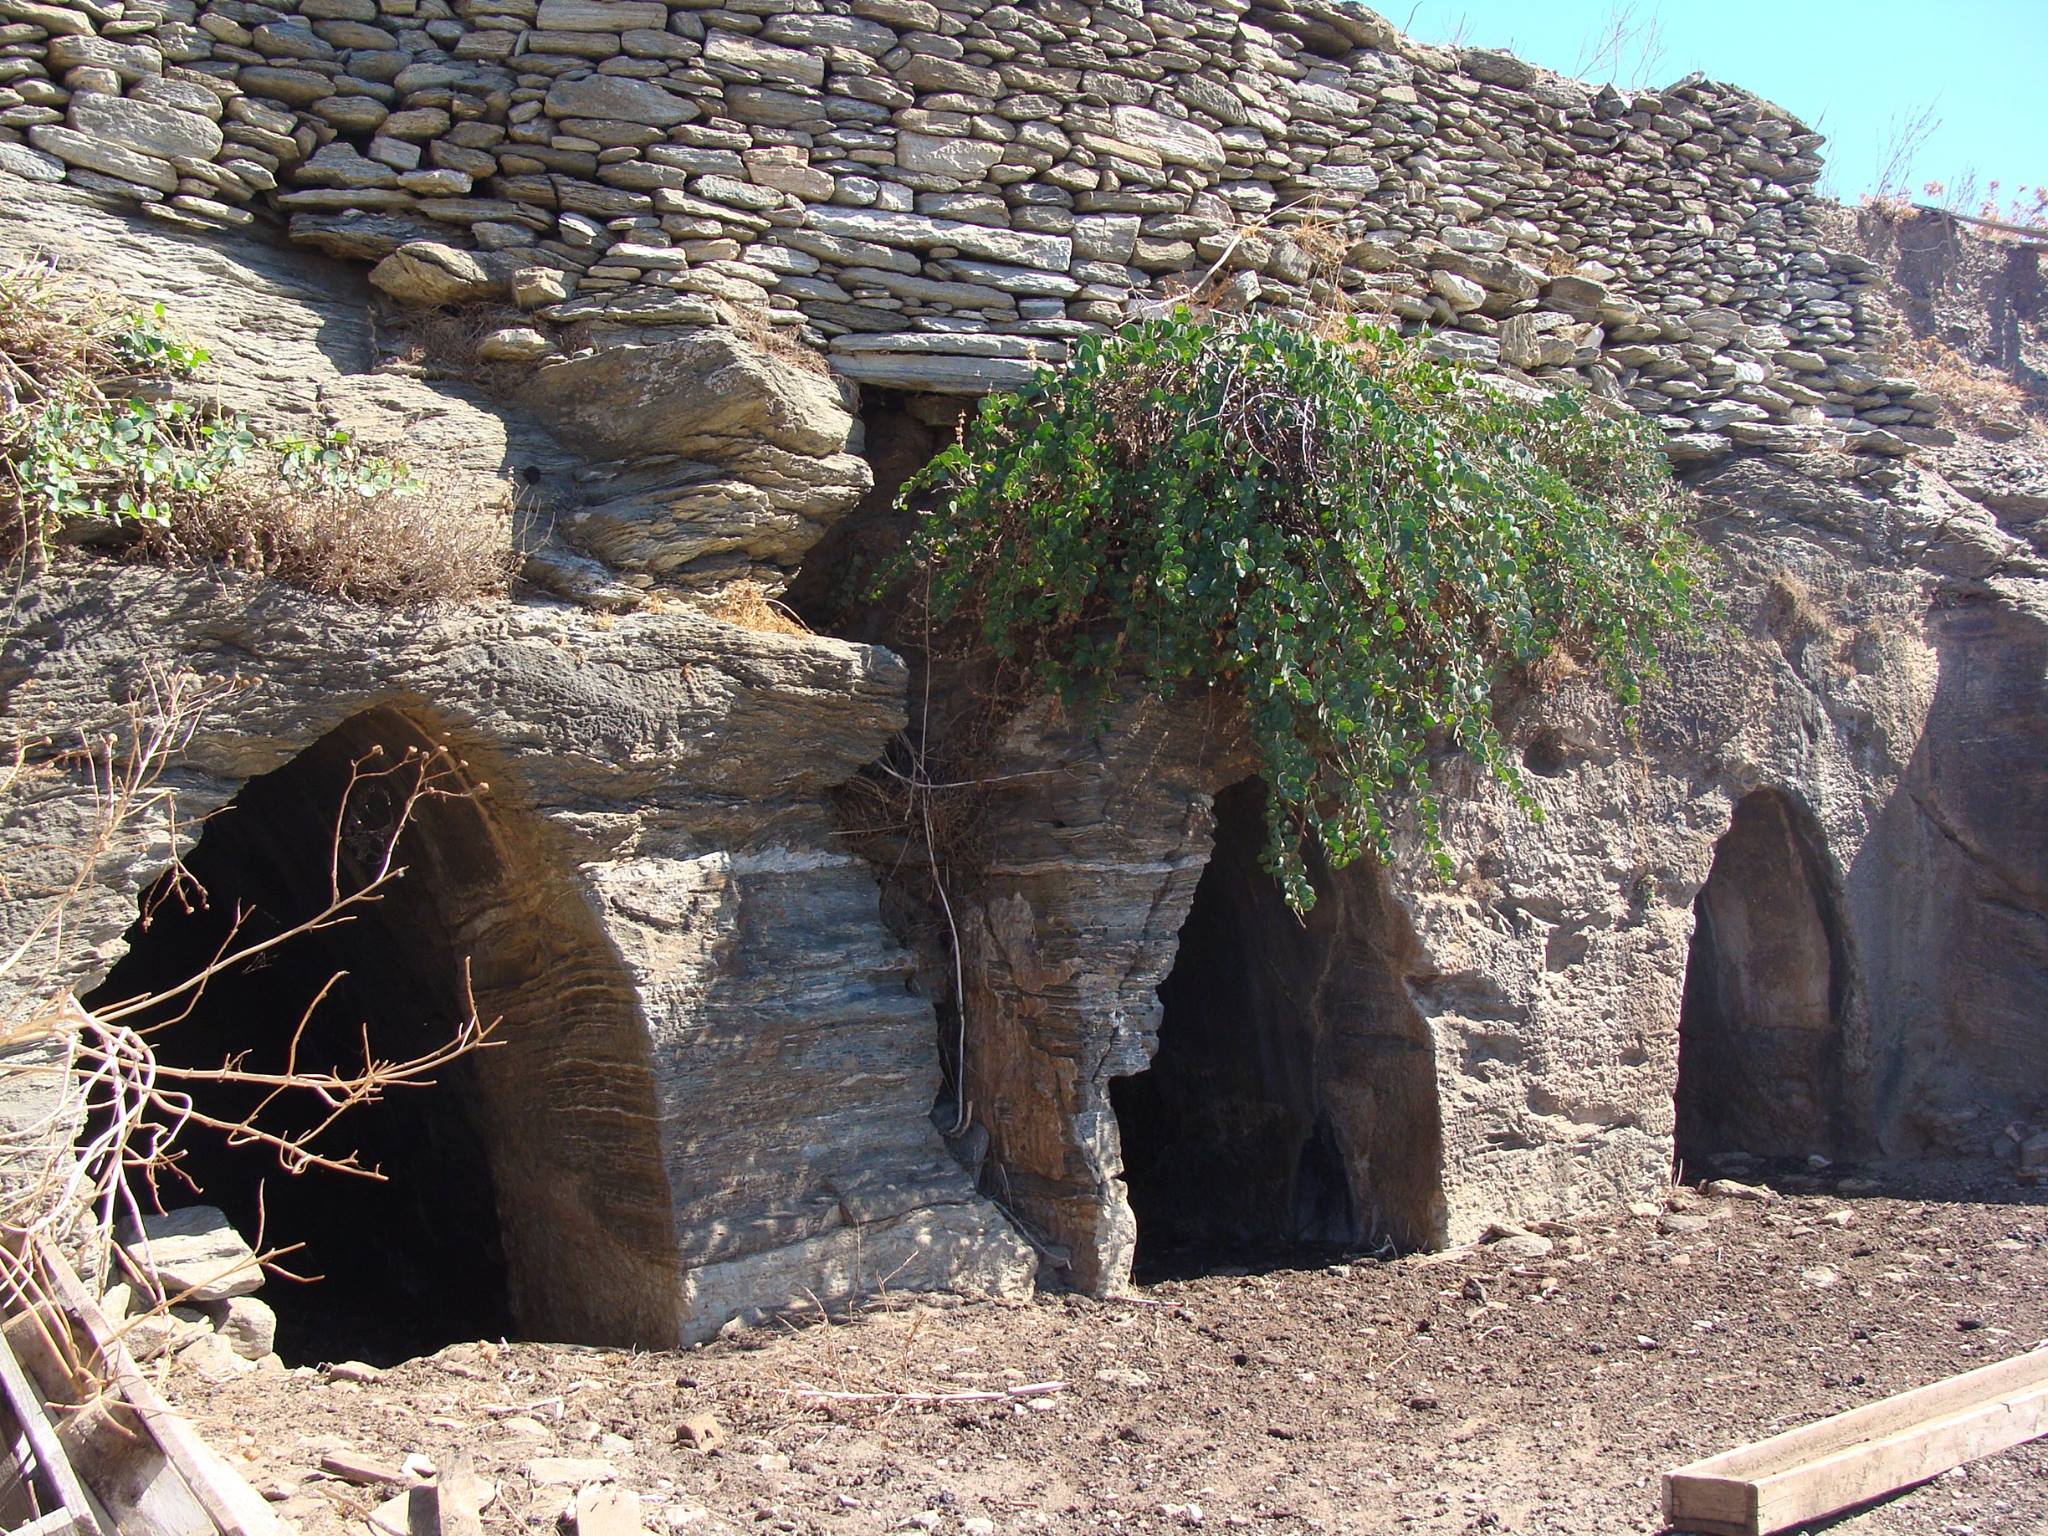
[{"x": 1856, "y": 70}]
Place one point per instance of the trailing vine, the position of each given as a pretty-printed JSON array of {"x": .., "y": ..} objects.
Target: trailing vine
[{"x": 1358, "y": 537}]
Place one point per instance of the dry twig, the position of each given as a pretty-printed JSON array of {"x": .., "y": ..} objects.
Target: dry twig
[{"x": 69, "y": 1179}]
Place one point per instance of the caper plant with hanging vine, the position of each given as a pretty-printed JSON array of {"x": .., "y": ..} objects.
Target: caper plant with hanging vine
[{"x": 1358, "y": 537}]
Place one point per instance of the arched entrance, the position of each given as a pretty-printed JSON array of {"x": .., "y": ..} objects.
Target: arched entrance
[
  {"x": 525, "y": 1191},
  {"x": 1760, "y": 1047},
  {"x": 1291, "y": 1109}
]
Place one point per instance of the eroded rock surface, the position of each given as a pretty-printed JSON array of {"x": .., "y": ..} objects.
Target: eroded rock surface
[
  {"x": 676, "y": 930},
  {"x": 669, "y": 768},
  {"x": 940, "y": 199},
  {"x": 1878, "y": 668}
]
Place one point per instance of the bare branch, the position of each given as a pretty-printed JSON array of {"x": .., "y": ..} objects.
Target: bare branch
[{"x": 72, "y": 1178}]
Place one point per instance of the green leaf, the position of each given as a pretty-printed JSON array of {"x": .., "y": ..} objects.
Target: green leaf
[{"x": 1359, "y": 537}]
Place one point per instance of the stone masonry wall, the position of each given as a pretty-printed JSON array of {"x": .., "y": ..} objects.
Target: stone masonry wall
[{"x": 941, "y": 195}]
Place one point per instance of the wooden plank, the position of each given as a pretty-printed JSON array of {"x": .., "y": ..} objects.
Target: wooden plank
[
  {"x": 35, "y": 1424},
  {"x": 17, "y": 1471},
  {"x": 229, "y": 1504},
  {"x": 1831, "y": 1465},
  {"x": 1860, "y": 1473},
  {"x": 2025, "y": 231},
  {"x": 52, "y": 1524},
  {"x": 1875, "y": 1420},
  {"x": 1713, "y": 1506}
]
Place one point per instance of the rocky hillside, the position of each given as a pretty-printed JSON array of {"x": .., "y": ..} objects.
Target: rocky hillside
[{"x": 703, "y": 282}]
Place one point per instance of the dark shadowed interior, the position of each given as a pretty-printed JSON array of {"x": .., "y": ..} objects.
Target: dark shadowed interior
[
  {"x": 1291, "y": 1109},
  {"x": 537, "y": 1145},
  {"x": 1760, "y": 1066}
]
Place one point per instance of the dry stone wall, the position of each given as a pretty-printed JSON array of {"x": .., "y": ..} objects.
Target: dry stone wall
[{"x": 942, "y": 196}]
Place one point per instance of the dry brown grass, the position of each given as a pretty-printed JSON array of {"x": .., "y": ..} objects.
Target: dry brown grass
[
  {"x": 54, "y": 333},
  {"x": 65, "y": 342},
  {"x": 1973, "y": 395},
  {"x": 1790, "y": 611},
  {"x": 751, "y": 324},
  {"x": 399, "y": 548},
  {"x": 1322, "y": 235},
  {"x": 753, "y": 604},
  {"x": 446, "y": 338}
]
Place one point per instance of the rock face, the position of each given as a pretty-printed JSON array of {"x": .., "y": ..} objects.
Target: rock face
[
  {"x": 1875, "y": 934},
  {"x": 665, "y": 910},
  {"x": 1808, "y": 892},
  {"x": 711, "y": 1095},
  {"x": 733, "y": 461},
  {"x": 720, "y": 928}
]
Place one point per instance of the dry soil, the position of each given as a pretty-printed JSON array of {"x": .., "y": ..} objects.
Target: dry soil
[{"x": 1491, "y": 1390}]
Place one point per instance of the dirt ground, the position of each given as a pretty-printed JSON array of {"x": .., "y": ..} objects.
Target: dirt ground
[{"x": 1487, "y": 1391}]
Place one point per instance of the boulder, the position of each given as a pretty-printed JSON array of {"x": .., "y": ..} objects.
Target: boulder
[
  {"x": 1496, "y": 67},
  {"x": 604, "y": 1511},
  {"x": 247, "y": 1324},
  {"x": 513, "y": 344},
  {"x": 966, "y": 159},
  {"x": 162, "y": 1333},
  {"x": 704, "y": 393},
  {"x": 1580, "y": 297},
  {"x": 427, "y": 272},
  {"x": 1174, "y": 140},
  {"x": 196, "y": 1255},
  {"x": 30, "y": 164}
]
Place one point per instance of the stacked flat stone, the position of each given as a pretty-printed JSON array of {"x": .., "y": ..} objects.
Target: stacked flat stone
[{"x": 942, "y": 194}]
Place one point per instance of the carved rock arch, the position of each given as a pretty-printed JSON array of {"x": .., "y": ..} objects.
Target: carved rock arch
[
  {"x": 1762, "y": 1044},
  {"x": 529, "y": 1189}
]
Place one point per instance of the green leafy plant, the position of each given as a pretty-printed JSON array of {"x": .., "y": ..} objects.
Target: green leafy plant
[
  {"x": 146, "y": 343},
  {"x": 85, "y": 435},
  {"x": 89, "y": 436},
  {"x": 128, "y": 461},
  {"x": 335, "y": 462},
  {"x": 1359, "y": 538}
]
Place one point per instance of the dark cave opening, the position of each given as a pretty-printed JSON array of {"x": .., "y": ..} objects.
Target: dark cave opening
[
  {"x": 1760, "y": 1070},
  {"x": 416, "y": 1259},
  {"x": 1290, "y": 1112}
]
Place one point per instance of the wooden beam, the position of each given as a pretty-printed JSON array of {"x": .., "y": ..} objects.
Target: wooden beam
[
  {"x": 50, "y": 1459},
  {"x": 52, "y": 1524},
  {"x": 1837, "y": 1463},
  {"x": 2024, "y": 231},
  {"x": 227, "y": 1502}
]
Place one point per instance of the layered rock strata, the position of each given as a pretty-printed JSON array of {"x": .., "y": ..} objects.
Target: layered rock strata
[{"x": 710, "y": 1100}]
